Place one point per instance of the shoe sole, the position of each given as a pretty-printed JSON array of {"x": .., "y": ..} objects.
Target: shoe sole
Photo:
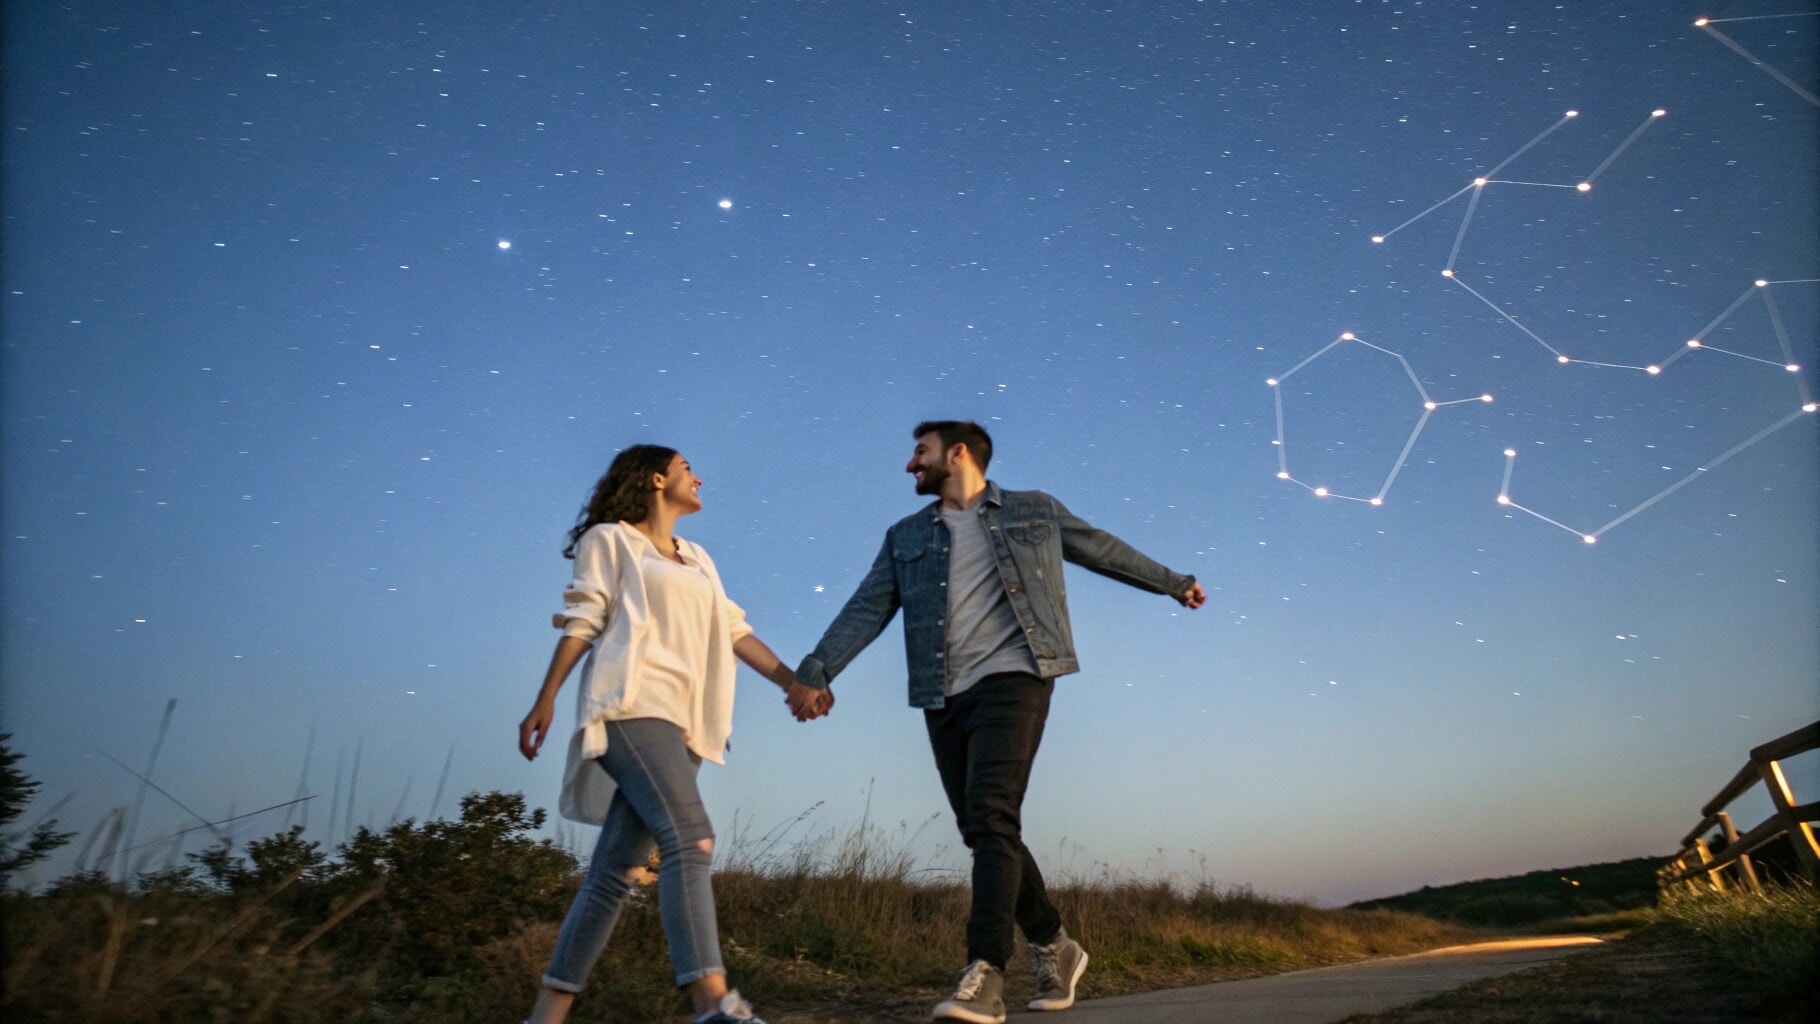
[
  {"x": 1062, "y": 1004},
  {"x": 949, "y": 1011}
]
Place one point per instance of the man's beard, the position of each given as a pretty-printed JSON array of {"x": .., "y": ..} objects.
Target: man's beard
[{"x": 931, "y": 480}]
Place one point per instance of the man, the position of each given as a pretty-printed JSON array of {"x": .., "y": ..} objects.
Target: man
[{"x": 979, "y": 576}]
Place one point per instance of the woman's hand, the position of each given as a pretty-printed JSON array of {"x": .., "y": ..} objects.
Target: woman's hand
[
  {"x": 806, "y": 702},
  {"x": 535, "y": 727}
]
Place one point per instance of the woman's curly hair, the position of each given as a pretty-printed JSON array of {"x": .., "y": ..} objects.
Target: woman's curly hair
[{"x": 623, "y": 492}]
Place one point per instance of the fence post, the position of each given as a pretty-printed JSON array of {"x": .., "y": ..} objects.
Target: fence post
[
  {"x": 1714, "y": 876},
  {"x": 1800, "y": 833},
  {"x": 1745, "y": 867}
]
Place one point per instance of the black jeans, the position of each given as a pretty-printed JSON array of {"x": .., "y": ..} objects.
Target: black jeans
[{"x": 985, "y": 740}]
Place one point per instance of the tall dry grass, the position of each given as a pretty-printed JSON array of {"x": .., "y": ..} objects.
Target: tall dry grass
[
  {"x": 1773, "y": 935},
  {"x": 848, "y": 919}
]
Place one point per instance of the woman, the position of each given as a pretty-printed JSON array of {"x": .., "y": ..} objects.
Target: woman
[{"x": 660, "y": 635}]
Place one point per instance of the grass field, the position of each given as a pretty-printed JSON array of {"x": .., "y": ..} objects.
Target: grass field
[{"x": 453, "y": 921}]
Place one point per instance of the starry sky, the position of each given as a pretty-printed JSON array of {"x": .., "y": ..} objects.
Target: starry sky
[{"x": 321, "y": 319}]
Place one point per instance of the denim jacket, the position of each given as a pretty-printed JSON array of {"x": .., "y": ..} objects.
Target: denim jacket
[{"x": 1031, "y": 535}]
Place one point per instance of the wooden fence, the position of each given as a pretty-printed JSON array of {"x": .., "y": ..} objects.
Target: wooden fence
[{"x": 1717, "y": 866}]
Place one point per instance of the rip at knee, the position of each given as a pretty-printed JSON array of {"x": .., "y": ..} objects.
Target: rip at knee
[
  {"x": 636, "y": 874},
  {"x": 705, "y": 845}
]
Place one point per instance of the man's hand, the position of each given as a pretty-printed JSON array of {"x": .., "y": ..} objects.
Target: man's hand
[
  {"x": 806, "y": 702},
  {"x": 1193, "y": 597}
]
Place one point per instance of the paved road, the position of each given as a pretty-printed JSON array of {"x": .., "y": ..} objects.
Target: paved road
[{"x": 1326, "y": 994}]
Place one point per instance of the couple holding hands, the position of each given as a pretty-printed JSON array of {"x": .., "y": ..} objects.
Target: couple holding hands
[{"x": 978, "y": 575}]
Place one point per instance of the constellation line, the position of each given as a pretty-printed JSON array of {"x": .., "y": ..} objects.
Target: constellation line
[
  {"x": 1536, "y": 184},
  {"x": 1473, "y": 204},
  {"x": 1622, "y": 146},
  {"x": 1559, "y": 356},
  {"x": 1759, "y": 17},
  {"x": 1689, "y": 478},
  {"x": 1569, "y": 116},
  {"x": 1788, "y": 352},
  {"x": 1419, "y": 216},
  {"x": 1705, "y": 25}
]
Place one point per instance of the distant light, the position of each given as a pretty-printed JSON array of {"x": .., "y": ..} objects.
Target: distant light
[
  {"x": 503, "y": 244},
  {"x": 1700, "y": 23},
  {"x": 1379, "y": 239},
  {"x": 1503, "y": 499},
  {"x": 726, "y": 204},
  {"x": 1428, "y": 405},
  {"x": 1282, "y": 476},
  {"x": 1347, "y": 336},
  {"x": 1695, "y": 343},
  {"x": 1761, "y": 284},
  {"x": 1811, "y": 407},
  {"x": 1584, "y": 186},
  {"x": 1573, "y": 113},
  {"x": 1377, "y": 501},
  {"x": 1654, "y": 113},
  {"x": 1652, "y": 370},
  {"x": 1272, "y": 381},
  {"x": 1447, "y": 273},
  {"x": 1510, "y": 453},
  {"x": 1589, "y": 538},
  {"x": 1320, "y": 492},
  {"x": 1793, "y": 367},
  {"x": 1484, "y": 398},
  {"x": 1478, "y": 181},
  {"x": 1563, "y": 359}
]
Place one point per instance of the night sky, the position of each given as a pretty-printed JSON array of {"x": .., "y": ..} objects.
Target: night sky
[{"x": 321, "y": 319}]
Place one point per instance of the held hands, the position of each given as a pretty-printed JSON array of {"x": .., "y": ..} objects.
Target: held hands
[
  {"x": 1192, "y": 598},
  {"x": 807, "y": 703}
]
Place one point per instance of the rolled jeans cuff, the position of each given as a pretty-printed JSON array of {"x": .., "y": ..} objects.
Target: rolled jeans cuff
[
  {"x": 561, "y": 986},
  {"x": 694, "y": 976}
]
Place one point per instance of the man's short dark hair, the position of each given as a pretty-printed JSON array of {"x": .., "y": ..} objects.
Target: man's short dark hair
[{"x": 967, "y": 432}]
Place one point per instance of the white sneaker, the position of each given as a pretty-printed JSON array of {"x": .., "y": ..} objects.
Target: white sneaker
[{"x": 979, "y": 996}]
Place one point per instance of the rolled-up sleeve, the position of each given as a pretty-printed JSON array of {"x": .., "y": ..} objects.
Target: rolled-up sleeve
[
  {"x": 587, "y": 601},
  {"x": 736, "y": 620}
]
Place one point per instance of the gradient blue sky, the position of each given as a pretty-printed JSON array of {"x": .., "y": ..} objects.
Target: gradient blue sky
[{"x": 291, "y": 438}]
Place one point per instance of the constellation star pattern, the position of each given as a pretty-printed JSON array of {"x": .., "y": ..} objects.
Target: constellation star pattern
[
  {"x": 1478, "y": 186},
  {"x": 1429, "y": 405},
  {"x": 1475, "y": 189},
  {"x": 1807, "y": 406}
]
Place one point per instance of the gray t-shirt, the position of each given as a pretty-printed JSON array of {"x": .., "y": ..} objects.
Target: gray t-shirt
[{"x": 983, "y": 634}]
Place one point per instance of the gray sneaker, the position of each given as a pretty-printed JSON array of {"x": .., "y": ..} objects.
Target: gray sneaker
[
  {"x": 978, "y": 998},
  {"x": 1059, "y": 967}
]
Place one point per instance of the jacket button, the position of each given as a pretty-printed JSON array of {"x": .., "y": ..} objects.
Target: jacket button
[{"x": 941, "y": 622}]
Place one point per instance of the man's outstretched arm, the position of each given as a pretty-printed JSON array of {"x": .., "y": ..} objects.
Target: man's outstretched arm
[
  {"x": 1094, "y": 549},
  {"x": 861, "y": 620}
]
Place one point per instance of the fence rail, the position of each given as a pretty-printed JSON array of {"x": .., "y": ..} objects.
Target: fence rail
[{"x": 1701, "y": 866}]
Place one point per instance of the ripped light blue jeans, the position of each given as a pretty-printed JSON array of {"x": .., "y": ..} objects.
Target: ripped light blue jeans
[{"x": 656, "y": 807}]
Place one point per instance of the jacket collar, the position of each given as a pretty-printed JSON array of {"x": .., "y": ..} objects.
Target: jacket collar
[{"x": 993, "y": 496}]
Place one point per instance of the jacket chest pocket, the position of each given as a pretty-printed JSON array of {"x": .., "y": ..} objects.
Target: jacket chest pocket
[
  {"x": 915, "y": 566},
  {"x": 1032, "y": 534}
]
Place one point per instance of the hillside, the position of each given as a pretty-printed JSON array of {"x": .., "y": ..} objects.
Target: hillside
[{"x": 1536, "y": 896}]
